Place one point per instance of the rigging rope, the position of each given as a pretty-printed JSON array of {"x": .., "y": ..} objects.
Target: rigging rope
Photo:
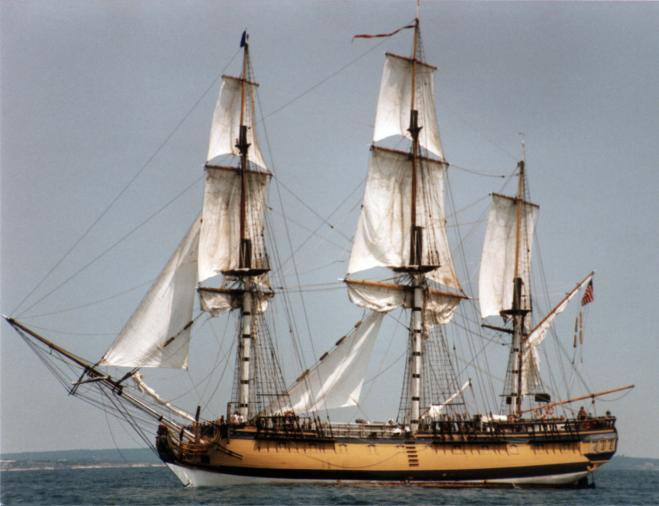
[
  {"x": 476, "y": 172},
  {"x": 125, "y": 188},
  {"x": 486, "y": 397},
  {"x": 116, "y": 243},
  {"x": 292, "y": 325},
  {"x": 88, "y": 304},
  {"x": 322, "y": 81},
  {"x": 336, "y": 209}
]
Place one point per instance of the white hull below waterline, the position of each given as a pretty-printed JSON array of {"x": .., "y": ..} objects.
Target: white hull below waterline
[
  {"x": 199, "y": 478},
  {"x": 191, "y": 477}
]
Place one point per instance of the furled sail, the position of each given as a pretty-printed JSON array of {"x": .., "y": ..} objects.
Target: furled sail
[
  {"x": 158, "y": 333},
  {"x": 226, "y": 121},
  {"x": 531, "y": 361},
  {"x": 382, "y": 297},
  {"x": 497, "y": 271},
  {"x": 147, "y": 390},
  {"x": 216, "y": 301},
  {"x": 436, "y": 410},
  {"x": 336, "y": 381},
  {"x": 383, "y": 233},
  {"x": 220, "y": 240},
  {"x": 395, "y": 101}
]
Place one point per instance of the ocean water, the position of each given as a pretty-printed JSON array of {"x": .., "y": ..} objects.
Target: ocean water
[{"x": 90, "y": 481}]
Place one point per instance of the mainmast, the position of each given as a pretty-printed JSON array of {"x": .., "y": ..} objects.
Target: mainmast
[
  {"x": 416, "y": 240},
  {"x": 416, "y": 250},
  {"x": 402, "y": 224}
]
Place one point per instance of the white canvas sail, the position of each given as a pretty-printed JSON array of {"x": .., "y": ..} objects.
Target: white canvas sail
[
  {"x": 383, "y": 232},
  {"x": 219, "y": 242},
  {"x": 531, "y": 368},
  {"x": 226, "y": 121},
  {"x": 395, "y": 102},
  {"x": 497, "y": 270},
  {"x": 158, "y": 333},
  {"x": 382, "y": 297},
  {"x": 337, "y": 380}
]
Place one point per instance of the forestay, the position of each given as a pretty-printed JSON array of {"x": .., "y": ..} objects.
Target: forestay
[
  {"x": 383, "y": 234},
  {"x": 336, "y": 381},
  {"x": 497, "y": 271},
  {"x": 226, "y": 121},
  {"x": 395, "y": 100},
  {"x": 158, "y": 333}
]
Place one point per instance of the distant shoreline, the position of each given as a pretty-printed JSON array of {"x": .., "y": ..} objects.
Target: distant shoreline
[{"x": 124, "y": 455}]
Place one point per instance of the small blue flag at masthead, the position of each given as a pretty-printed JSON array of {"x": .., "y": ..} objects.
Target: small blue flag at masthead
[{"x": 243, "y": 39}]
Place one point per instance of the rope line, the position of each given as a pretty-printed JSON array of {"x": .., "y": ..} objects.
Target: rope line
[
  {"x": 322, "y": 81},
  {"x": 117, "y": 242},
  {"x": 91, "y": 303},
  {"x": 124, "y": 189}
]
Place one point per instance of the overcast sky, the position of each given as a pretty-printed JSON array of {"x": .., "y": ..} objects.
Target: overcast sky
[{"x": 95, "y": 93}]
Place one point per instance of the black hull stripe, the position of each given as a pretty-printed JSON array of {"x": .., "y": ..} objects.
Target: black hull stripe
[
  {"x": 599, "y": 457},
  {"x": 402, "y": 475}
]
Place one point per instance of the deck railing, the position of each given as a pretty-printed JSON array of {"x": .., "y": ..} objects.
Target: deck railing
[{"x": 446, "y": 430}]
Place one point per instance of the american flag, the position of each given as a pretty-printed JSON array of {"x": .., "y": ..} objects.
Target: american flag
[{"x": 588, "y": 295}]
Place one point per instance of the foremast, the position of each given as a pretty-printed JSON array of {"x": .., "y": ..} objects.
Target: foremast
[
  {"x": 234, "y": 221},
  {"x": 402, "y": 225},
  {"x": 245, "y": 273},
  {"x": 416, "y": 249}
]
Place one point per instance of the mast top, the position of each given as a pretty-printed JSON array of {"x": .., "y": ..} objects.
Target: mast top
[{"x": 244, "y": 40}]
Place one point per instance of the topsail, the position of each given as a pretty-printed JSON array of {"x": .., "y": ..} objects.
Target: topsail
[
  {"x": 383, "y": 232},
  {"x": 393, "y": 111},
  {"x": 402, "y": 225},
  {"x": 220, "y": 240},
  {"x": 227, "y": 117},
  {"x": 503, "y": 237}
]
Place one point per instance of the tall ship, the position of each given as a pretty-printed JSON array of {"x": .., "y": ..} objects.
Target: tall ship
[{"x": 400, "y": 260}]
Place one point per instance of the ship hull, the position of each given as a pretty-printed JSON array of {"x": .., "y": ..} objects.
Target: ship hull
[
  {"x": 507, "y": 462},
  {"x": 196, "y": 477}
]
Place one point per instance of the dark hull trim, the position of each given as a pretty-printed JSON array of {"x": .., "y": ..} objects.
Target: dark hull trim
[{"x": 599, "y": 457}]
